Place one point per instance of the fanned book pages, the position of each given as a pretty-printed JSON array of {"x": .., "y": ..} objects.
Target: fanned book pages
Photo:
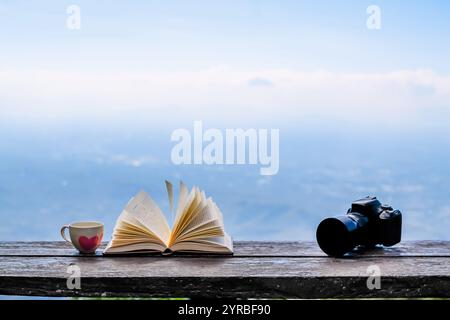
[{"x": 198, "y": 226}]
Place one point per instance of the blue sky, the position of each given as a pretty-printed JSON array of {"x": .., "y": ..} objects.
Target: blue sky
[
  {"x": 218, "y": 49},
  {"x": 200, "y": 34}
]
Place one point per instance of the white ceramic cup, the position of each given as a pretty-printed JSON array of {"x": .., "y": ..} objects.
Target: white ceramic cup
[{"x": 85, "y": 236}]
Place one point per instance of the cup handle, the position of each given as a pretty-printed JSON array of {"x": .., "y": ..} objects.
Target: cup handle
[{"x": 63, "y": 234}]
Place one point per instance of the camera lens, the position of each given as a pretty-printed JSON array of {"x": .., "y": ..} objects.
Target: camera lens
[{"x": 339, "y": 235}]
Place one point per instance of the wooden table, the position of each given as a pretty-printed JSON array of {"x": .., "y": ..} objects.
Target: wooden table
[{"x": 257, "y": 269}]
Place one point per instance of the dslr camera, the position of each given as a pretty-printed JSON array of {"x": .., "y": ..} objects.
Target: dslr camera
[{"x": 367, "y": 223}]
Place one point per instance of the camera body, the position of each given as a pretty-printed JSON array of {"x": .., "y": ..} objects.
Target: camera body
[{"x": 367, "y": 223}]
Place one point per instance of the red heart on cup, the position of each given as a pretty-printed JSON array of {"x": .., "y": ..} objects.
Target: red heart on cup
[{"x": 89, "y": 244}]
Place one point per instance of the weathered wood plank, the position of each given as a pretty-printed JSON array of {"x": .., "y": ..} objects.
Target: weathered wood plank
[
  {"x": 221, "y": 267},
  {"x": 244, "y": 248},
  {"x": 258, "y": 269},
  {"x": 226, "y": 277}
]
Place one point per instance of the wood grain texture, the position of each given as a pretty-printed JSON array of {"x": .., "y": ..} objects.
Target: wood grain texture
[
  {"x": 244, "y": 248},
  {"x": 258, "y": 269}
]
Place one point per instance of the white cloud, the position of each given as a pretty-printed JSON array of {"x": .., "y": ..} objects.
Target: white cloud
[
  {"x": 260, "y": 82},
  {"x": 221, "y": 93}
]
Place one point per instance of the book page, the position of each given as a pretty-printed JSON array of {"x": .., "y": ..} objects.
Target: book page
[
  {"x": 219, "y": 245},
  {"x": 169, "y": 188},
  {"x": 144, "y": 209},
  {"x": 183, "y": 212},
  {"x": 200, "y": 227},
  {"x": 129, "y": 231},
  {"x": 205, "y": 218},
  {"x": 182, "y": 200},
  {"x": 206, "y": 230},
  {"x": 191, "y": 209},
  {"x": 134, "y": 248}
]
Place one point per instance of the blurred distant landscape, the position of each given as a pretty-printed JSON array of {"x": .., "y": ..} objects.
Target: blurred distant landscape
[{"x": 52, "y": 178}]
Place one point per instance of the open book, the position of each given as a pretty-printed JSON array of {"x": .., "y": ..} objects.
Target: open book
[{"x": 198, "y": 226}]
